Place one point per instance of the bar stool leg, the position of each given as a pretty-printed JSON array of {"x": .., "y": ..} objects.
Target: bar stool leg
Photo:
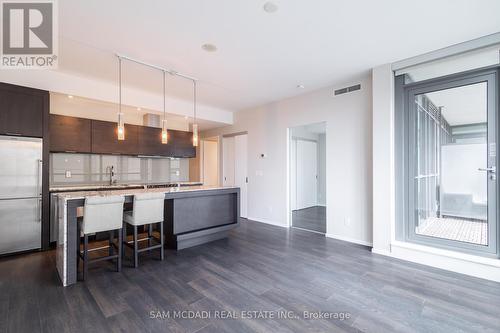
[
  {"x": 78, "y": 244},
  {"x": 150, "y": 234},
  {"x": 120, "y": 245},
  {"x": 110, "y": 243},
  {"x": 136, "y": 248},
  {"x": 85, "y": 256},
  {"x": 124, "y": 239},
  {"x": 162, "y": 242}
]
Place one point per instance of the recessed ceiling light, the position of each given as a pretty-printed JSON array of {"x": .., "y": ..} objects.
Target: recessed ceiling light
[
  {"x": 270, "y": 7},
  {"x": 209, "y": 47},
  {"x": 70, "y": 96},
  {"x": 300, "y": 86},
  {"x": 139, "y": 109}
]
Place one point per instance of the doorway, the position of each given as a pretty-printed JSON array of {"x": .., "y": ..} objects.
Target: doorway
[
  {"x": 451, "y": 157},
  {"x": 235, "y": 166},
  {"x": 209, "y": 175},
  {"x": 307, "y": 170}
]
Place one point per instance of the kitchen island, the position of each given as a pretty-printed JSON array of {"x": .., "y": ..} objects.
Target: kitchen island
[{"x": 193, "y": 215}]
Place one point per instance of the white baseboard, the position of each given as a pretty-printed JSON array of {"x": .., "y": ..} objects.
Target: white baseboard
[
  {"x": 349, "y": 239},
  {"x": 313, "y": 231},
  {"x": 256, "y": 219},
  {"x": 480, "y": 267},
  {"x": 382, "y": 252}
]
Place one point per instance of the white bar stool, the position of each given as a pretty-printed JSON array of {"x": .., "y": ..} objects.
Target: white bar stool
[
  {"x": 147, "y": 210},
  {"x": 101, "y": 214}
]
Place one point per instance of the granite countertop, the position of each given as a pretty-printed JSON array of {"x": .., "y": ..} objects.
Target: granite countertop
[
  {"x": 132, "y": 191},
  {"x": 97, "y": 187}
]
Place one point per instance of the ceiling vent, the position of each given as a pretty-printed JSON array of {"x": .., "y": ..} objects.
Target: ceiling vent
[{"x": 347, "y": 90}]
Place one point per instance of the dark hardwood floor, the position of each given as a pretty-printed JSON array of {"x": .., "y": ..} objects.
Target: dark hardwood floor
[
  {"x": 260, "y": 267},
  {"x": 312, "y": 218}
]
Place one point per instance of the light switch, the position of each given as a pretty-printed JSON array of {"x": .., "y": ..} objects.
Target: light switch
[{"x": 68, "y": 174}]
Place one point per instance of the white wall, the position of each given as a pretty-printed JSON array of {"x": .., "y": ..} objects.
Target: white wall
[
  {"x": 322, "y": 169},
  {"x": 383, "y": 158},
  {"x": 348, "y": 150}
]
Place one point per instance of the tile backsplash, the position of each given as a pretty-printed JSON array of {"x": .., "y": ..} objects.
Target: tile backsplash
[{"x": 87, "y": 169}]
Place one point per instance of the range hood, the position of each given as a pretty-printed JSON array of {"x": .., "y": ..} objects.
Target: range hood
[{"x": 151, "y": 120}]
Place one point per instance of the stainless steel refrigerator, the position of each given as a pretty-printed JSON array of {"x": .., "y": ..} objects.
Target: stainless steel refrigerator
[{"x": 20, "y": 194}]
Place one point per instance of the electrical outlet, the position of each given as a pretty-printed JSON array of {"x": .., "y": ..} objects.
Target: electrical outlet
[
  {"x": 68, "y": 174},
  {"x": 347, "y": 221}
]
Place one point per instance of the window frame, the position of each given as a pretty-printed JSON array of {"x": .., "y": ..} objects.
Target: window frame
[{"x": 405, "y": 157}]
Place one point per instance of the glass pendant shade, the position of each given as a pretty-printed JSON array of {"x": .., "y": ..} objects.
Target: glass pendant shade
[
  {"x": 195, "y": 135},
  {"x": 121, "y": 127},
  {"x": 164, "y": 132}
]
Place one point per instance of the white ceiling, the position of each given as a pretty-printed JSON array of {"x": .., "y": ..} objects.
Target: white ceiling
[
  {"x": 261, "y": 57},
  {"x": 462, "y": 105}
]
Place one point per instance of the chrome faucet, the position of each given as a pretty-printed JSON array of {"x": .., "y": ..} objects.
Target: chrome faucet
[{"x": 111, "y": 170}]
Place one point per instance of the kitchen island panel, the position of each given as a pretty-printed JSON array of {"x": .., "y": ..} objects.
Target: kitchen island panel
[{"x": 193, "y": 216}]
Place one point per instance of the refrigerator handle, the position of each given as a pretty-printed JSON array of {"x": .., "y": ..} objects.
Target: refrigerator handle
[
  {"x": 39, "y": 178},
  {"x": 38, "y": 190}
]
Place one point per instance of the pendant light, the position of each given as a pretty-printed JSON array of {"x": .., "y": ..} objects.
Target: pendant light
[
  {"x": 195, "y": 125},
  {"x": 164, "y": 132},
  {"x": 121, "y": 125}
]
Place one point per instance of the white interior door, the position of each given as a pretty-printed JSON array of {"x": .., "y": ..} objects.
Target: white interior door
[
  {"x": 307, "y": 171},
  {"x": 240, "y": 171},
  {"x": 228, "y": 161}
]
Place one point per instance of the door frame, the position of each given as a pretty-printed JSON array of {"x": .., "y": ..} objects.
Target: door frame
[
  {"x": 201, "y": 166},
  {"x": 289, "y": 140},
  {"x": 406, "y": 186},
  {"x": 223, "y": 165}
]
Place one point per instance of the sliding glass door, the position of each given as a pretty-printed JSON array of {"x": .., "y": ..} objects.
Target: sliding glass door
[{"x": 451, "y": 162}]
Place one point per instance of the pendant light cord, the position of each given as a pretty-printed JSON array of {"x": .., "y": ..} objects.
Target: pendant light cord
[
  {"x": 164, "y": 98},
  {"x": 120, "y": 84},
  {"x": 194, "y": 99}
]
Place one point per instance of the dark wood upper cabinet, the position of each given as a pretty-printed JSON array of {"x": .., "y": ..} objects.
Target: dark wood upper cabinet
[
  {"x": 105, "y": 141},
  {"x": 150, "y": 142},
  {"x": 22, "y": 110},
  {"x": 70, "y": 134},
  {"x": 182, "y": 144}
]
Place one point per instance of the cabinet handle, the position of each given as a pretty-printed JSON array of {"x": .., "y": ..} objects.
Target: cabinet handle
[{"x": 13, "y": 134}]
